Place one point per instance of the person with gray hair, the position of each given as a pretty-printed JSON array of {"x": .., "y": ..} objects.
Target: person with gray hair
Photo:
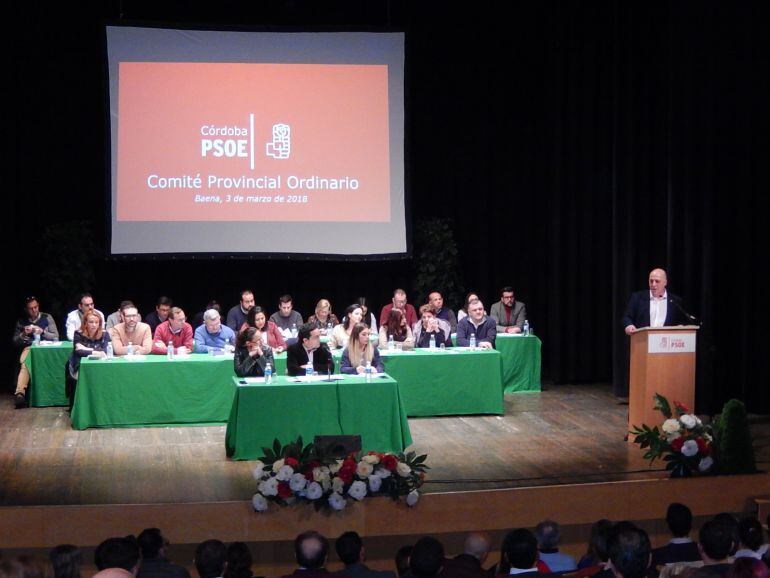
[
  {"x": 548, "y": 536},
  {"x": 469, "y": 564},
  {"x": 212, "y": 335}
]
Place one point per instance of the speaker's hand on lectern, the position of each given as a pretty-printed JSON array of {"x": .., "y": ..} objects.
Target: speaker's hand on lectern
[{"x": 630, "y": 329}]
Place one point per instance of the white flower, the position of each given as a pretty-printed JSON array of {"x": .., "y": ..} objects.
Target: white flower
[
  {"x": 259, "y": 469},
  {"x": 338, "y": 485},
  {"x": 371, "y": 459},
  {"x": 277, "y": 465},
  {"x": 326, "y": 484},
  {"x": 708, "y": 438},
  {"x": 412, "y": 498},
  {"x": 364, "y": 469},
  {"x": 320, "y": 474},
  {"x": 690, "y": 448},
  {"x": 314, "y": 491},
  {"x": 689, "y": 421},
  {"x": 335, "y": 467},
  {"x": 382, "y": 473},
  {"x": 297, "y": 482},
  {"x": 671, "y": 426},
  {"x": 259, "y": 502},
  {"x": 337, "y": 502},
  {"x": 403, "y": 470},
  {"x": 269, "y": 487},
  {"x": 357, "y": 490},
  {"x": 285, "y": 473},
  {"x": 375, "y": 482},
  {"x": 705, "y": 464}
]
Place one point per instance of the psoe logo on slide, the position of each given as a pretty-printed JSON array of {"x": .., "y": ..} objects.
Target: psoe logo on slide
[{"x": 238, "y": 141}]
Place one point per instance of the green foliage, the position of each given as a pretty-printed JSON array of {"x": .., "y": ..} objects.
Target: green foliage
[
  {"x": 436, "y": 264},
  {"x": 734, "y": 443}
]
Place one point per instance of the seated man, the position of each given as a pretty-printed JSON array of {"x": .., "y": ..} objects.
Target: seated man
[
  {"x": 162, "y": 307},
  {"x": 508, "y": 313},
  {"x": 484, "y": 328},
  {"x": 155, "y": 564},
  {"x": 212, "y": 335},
  {"x": 630, "y": 552},
  {"x": 75, "y": 317},
  {"x": 286, "y": 318},
  {"x": 237, "y": 314},
  {"x": 175, "y": 330},
  {"x": 308, "y": 351},
  {"x": 680, "y": 548},
  {"x": 117, "y": 317},
  {"x": 351, "y": 552},
  {"x": 436, "y": 300},
  {"x": 131, "y": 331},
  {"x": 32, "y": 323},
  {"x": 548, "y": 536},
  {"x": 399, "y": 302},
  {"x": 310, "y": 549}
]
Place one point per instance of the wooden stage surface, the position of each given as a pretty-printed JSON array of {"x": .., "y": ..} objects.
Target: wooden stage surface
[{"x": 563, "y": 435}]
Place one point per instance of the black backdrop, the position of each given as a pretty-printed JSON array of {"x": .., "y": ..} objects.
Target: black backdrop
[{"x": 576, "y": 145}]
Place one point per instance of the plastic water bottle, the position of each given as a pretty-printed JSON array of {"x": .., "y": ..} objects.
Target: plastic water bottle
[
  {"x": 130, "y": 349},
  {"x": 170, "y": 350},
  {"x": 110, "y": 353},
  {"x": 227, "y": 345},
  {"x": 525, "y": 331},
  {"x": 368, "y": 372},
  {"x": 308, "y": 370},
  {"x": 294, "y": 330},
  {"x": 391, "y": 343},
  {"x": 36, "y": 339},
  {"x": 472, "y": 341},
  {"x": 268, "y": 373},
  {"x": 329, "y": 329},
  {"x": 432, "y": 342}
]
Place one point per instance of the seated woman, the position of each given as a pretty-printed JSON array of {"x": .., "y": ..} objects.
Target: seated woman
[
  {"x": 366, "y": 316},
  {"x": 251, "y": 355},
  {"x": 398, "y": 328},
  {"x": 472, "y": 296},
  {"x": 90, "y": 339},
  {"x": 430, "y": 325},
  {"x": 324, "y": 317},
  {"x": 360, "y": 351},
  {"x": 269, "y": 332},
  {"x": 341, "y": 333}
]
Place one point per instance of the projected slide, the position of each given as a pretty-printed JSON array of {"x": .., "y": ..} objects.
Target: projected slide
[{"x": 256, "y": 143}]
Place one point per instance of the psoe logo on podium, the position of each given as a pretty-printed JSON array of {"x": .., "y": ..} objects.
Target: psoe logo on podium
[{"x": 671, "y": 343}]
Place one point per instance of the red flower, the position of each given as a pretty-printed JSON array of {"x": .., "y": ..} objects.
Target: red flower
[
  {"x": 346, "y": 475},
  {"x": 389, "y": 462},
  {"x": 291, "y": 462},
  {"x": 677, "y": 444},
  {"x": 284, "y": 491},
  {"x": 703, "y": 447},
  {"x": 682, "y": 408}
]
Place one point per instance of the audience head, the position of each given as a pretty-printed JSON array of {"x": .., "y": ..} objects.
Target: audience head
[
  {"x": 323, "y": 309},
  {"x": 285, "y": 305},
  {"x": 629, "y": 551},
  {"x": 151, "y": 542},
  {"x": 212, "y": 320},
  {"x": 162, "y": 307},
  {"x": 427, "y": 557},
  {"x": 476, "y": 310},
  {"x": 402, "y": 560},
  {"x": 66, "y": 561},
  {"x": 353, "y": 315},
  {"x": 256, "y": 317},
  {"x": 679, "y": 520},
  {"x": 31, "y": 307},
  {"x": 311, "y": 549},
  {"x": 239, "y": 560},
  {"x": 176, "y": 318},
  {"x": 436, "y": 300},
  {"x": 361, "y": 302},
  {"x": 598, "y": 541},
  {"x": 247, "y": 299},
  {"x": 247, "y": 335},
  {"x": 548, "y": 535},
  {"x": 210, "y": 559},
  {"x": 519, "y": 549},
  {"x": 750, "y": 533},
  {"x": 478, "y": 545},
  {"x": 130, "y": 315},
  {"x": 748, "y": 567},
  {"x": 506, "y": 296},
  {"x": 213, "y": 304},
  {"x": 715, "y": 541},
  {"x": 396, "y": 321},
  {"x": 360, "y": 334},
  {"x": 86, "y": 302},
  {"x": 92, "y": 325},
  {"x": 118, "y": 553},
  {"x": 472, "y": 296},
  {"x": 399, "y": 299},
  {"x": 309, "y": 335},
  {"x": 427, "y": 312},
  {"x": 732, "y": 523},
  {"x": 349, "y": 547}
]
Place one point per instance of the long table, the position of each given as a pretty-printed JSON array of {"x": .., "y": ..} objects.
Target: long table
[
  {"x": 290, "y": 407},
  {"x": 521, "y": 362},
  {"x": 153, "y": 390},
  {"x": 46, "y": 366},
  {"x": 453, "y": 381}
]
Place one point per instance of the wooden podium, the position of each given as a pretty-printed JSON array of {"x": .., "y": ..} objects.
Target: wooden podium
[{"x": 662, "y": 361}]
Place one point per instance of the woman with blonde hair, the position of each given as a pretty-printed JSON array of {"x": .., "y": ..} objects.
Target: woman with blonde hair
[
  {"x": 360, "y": 351},
  {"x": 324, "y": 317}
]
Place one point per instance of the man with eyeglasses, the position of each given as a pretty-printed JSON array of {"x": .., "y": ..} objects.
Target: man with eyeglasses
[
  {"x": 75, "y": 317},
  {"x": 131, "y": 331},
  {"x": 399, "y": 302},
  {"x": 32, "y": 325},
  {"x": 509, "y": 314}
]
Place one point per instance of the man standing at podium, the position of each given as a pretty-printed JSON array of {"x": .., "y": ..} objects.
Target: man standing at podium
[{"x": 654, "y": 308}]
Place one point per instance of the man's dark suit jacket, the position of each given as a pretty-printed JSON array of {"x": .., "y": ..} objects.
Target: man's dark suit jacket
[
  {"x": 638, "y": 310},
  {"x": 671, "y": 553},
  {"x": 296, "y": 357},
  {"x": 161, "y": 568},
  {"x": 360, "y": 570},
  {"x": 465, "y": 566},
  {"x": 309, "y": 573}
]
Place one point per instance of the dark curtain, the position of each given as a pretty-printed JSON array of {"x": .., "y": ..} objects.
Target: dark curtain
[{"x": 575, "y": 146}]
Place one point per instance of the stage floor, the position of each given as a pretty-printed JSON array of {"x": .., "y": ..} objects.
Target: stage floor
[{"x": 563, "y": 435}]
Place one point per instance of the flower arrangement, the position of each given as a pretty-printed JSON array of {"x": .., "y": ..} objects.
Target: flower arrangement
[
  {"x": 683, "y": 440},
  {"x": 295, "y": 473}
]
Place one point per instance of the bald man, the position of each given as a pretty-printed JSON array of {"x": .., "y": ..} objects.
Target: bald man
[
  {"x": 470, "y": 564},
  {"x": 655, "y": 307}
]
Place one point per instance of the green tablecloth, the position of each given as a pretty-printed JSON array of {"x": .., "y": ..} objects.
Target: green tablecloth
[
  {"x": 346, "y": 406},
  {"x": 453, "y": 381},
  {"x": 153, "y": 391},
  {"x": 521, "y": 362},
  {"x": 46, "y": 365}
]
